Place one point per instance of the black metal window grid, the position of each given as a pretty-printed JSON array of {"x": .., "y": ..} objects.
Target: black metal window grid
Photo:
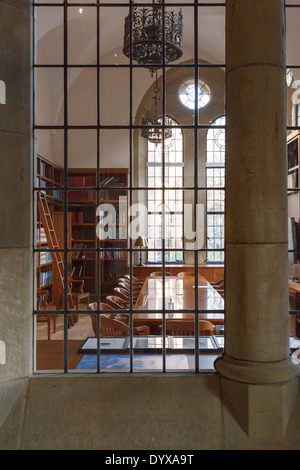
[{"x": 62, "y": 68}]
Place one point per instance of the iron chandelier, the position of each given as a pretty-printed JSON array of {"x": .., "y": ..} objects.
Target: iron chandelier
[
  {"x": 145, "y": 27},
  {"x": 154, "y": 131}
]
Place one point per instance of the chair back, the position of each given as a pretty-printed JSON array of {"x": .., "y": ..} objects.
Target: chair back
[
  {"x": 116, "y": 302},
  {"x": 220, "y": 282},
  {"x": 186, "y": 274},
  {"x": 124, "y": 286},
  {"x": 206, "y": 328},
  {"x": 42, "y": 298},
  {"x": 93, "y": 306},
  {"x": 187, "y": 328},
  {"x": 159, "y": 274},
  {"x": 112, "y": 327},
  {"x": 134, "y": 279},
  {"x": 102, "y": 306},
  {"x": 123, "y": 293}
]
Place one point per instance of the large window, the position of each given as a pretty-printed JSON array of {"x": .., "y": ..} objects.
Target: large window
[
  {"x": 215, "y": 178},
  {"x": 165, "y": 208},
  {"x": 107, "y": 199}
]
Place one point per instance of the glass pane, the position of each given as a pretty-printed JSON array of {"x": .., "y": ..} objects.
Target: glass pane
[
  {"x": 49, "y": 354},
  {"x": 49, "y": 35},
  {"x": 146, "y": 99},
  {"x": 49, "y": 147},
  {"x": 112, "y": 35},
  {"x": 49, "y": 96},
  {"x": 292, "y": 21},
  {"x": 82, "y": 153},
  {"x": 114, "y": 96},
  {"x": 82, "y": 35},
  {"x": 114, "y": 153},
  {"x": 211, "y": 47},
  {"x": 82, "y": 96}
]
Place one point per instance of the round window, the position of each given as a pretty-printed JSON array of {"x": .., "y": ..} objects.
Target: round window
[{"x": 187, "y": 94}]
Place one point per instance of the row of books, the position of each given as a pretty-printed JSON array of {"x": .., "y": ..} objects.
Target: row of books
[
  {"x": 89, "y": 181},
  {"x": 112, "y": 255},
  {"x": 81, "y": 252},
  {"x": 87, "y": 195},
  {"x": 45, "y": 170},
  {"x": 110, "y": 180},
  {"x": 79, "y": 270},
  {"x": 82, "y": 181},
  {"x": 42, "y": 235},
  {"x": 45, "y": 257},
  {"x": 77, "y": 217},
  {"x": 45, "y": 278}
]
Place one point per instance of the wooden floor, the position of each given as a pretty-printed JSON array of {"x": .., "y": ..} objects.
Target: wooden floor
[
  {"x": 50, "y": 353},
  {"x": 80, "y": 330}
]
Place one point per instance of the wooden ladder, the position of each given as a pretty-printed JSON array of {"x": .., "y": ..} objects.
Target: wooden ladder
[{"x": 50, "y": 233}]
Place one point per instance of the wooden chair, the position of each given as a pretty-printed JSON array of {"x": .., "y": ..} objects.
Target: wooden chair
[
  {"x": 187, "y": 328},
  {"x": 114, "y": 327},
  {"x": 116, "y": 302},
  {"x": 159, "y": 274},
  {"x": 219, "y": 283},
  {"x": 135, "y": 292},
  {"x": 123, "y": 294},
  {"x": 135, "y": 287},
  {"x": 102, "y": 306},
  {"x": 42, "y": 305},
  {"x": 76, "y": 286},
  {"x": 135, "y": 280}
]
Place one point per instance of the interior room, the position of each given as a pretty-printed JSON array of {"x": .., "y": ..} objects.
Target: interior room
[
  {"x": 121, "y": 183},
  {"x": 151, "y": 164}
]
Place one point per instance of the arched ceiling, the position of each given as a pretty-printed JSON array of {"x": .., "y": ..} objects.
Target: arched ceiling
[{"x": 82, "y": 33}]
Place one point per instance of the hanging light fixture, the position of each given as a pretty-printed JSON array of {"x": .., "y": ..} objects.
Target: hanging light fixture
[
  {"x": 153, "y": 36},
  {"x": 144, "y": 32},
  {"x": 154, "y": 132}
]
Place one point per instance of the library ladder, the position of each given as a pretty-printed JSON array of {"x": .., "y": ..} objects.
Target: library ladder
[{"x": 50, "y": 233}]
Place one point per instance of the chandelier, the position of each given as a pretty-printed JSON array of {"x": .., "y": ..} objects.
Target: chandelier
[
  {"x": 149, "y": 41},
  {"x": 153, "y": 131}
]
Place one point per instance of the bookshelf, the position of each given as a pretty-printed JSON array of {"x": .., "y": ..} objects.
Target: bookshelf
[
  {"x": 49, "y": 180},
  {"x": 82, "y": 203},
  {"x": 90, "y": 236},
  {"x": 112, "y": 228},
  {"x": 92, "y": 229}
]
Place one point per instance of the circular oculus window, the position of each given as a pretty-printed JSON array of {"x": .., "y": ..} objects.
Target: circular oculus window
[{"x": 187, "y": 94}]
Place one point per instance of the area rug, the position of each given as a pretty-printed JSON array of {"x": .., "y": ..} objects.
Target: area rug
[{"x": 141, "y": 362}]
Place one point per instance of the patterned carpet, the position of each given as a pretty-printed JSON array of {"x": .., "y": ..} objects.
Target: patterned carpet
[{"x": 121, "y": 362}]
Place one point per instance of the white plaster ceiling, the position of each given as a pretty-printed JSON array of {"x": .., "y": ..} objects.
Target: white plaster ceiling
[
  {"x": 82, "y": 33},
  {"x": 49, "y": 31},
  {"x": 82, "y": 38}
]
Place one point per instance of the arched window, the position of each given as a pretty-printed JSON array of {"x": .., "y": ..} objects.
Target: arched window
[
  {"x": 165, "y": 207},
  {"x": 215, "y": 182}
]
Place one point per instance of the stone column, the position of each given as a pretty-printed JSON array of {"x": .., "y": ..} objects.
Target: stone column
[
  {"x": 15, "y": 214},
  {"x": 256, "y": 323}
]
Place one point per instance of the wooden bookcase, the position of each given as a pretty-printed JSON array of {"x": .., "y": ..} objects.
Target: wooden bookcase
[
  {"x": 90, "y": 231},
  {"x": 49, "y": 178},
  {"x": 87, "y": 231},
  {"x": 112, "y": 236},
  {"x": 82, "y": 203},
  {"x": 293, "y": 150}
]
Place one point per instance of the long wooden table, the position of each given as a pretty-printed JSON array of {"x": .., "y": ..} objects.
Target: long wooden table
[{"x": 182, "y": 292}]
